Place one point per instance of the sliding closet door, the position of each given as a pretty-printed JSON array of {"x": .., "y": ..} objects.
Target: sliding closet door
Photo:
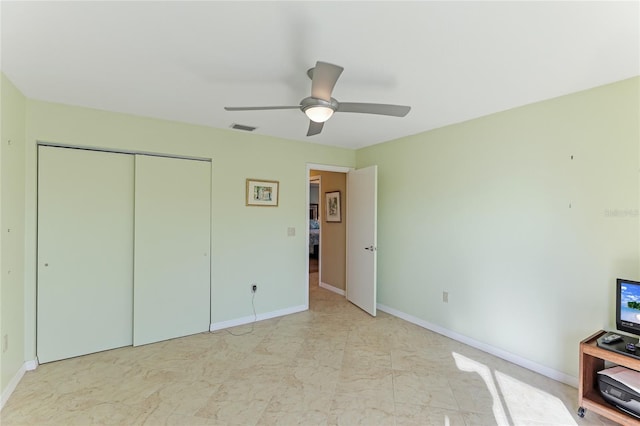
[
  {"x": 85, "y": 252},
  {"x": 172, "y": 240}
]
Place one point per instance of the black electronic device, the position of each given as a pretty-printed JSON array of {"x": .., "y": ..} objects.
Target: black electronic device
[
  {"x": 618, "y": 392},
  {"x": 628, "y": 306}
]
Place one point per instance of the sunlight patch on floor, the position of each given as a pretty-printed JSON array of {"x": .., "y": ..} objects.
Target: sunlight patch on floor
[
  {"x": 516, "y": 402},
  {"x": 465, "y": 364},
  {"x": 527, "y": 403}
]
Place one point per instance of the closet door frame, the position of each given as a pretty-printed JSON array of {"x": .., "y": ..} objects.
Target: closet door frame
[{"x": 133, "y": 153}]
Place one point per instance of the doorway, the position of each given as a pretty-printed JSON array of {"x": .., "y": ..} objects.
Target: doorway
[
  {"x": 331, "y": 255},
  {"x": 347, "y": 256}
]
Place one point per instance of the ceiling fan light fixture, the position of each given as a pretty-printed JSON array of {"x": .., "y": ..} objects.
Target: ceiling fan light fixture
[{"x": 319, "y": 113}]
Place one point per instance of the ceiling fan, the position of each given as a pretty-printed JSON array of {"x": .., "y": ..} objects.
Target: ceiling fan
[{"x": 320, "y": 106}]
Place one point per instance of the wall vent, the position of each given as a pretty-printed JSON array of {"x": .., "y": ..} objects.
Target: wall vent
[{"x": 243, "y": 127}]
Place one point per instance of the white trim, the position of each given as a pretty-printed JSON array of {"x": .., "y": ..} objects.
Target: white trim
[
  {"x": 13, "y": 383},
  {"x": 31, "y": 365},
  {"x": 332, "y": 288},
  {"x": 508, "y": 356},
  {"x": 249, "y": 319},
  {"x": 328, "y": 168},
  {"x": 122, "y": 151}
]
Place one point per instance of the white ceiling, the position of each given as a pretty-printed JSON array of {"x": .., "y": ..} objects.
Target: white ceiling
[{"x": 185, "y": 61}]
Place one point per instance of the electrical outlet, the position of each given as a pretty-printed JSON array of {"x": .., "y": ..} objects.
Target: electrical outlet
[
  {"x": 445, "y": 296},
  {"x": 254, "y": 288},
  {"x": 5, "y": 343}
]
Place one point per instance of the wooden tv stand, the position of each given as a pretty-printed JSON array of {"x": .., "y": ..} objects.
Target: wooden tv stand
[{"x": 592, "y": 359}]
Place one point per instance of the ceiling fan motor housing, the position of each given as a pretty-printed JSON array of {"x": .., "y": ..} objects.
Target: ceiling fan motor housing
[{"x": 311, "y": 102}]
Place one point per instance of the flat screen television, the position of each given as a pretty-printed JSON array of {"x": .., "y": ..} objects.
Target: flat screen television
[{"x": 628, "y": 306}]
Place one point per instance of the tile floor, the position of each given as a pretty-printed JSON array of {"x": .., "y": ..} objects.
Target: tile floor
[{"x": 331, "y": 365}]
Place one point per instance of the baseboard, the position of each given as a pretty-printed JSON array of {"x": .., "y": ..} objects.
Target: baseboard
[
  {"x": 515, "y": 359},
  {"x": 13, "y": 383},
  {"x": 260, "y": 317},
  {"x": 11, "y": 386},
  {"x": 31, "y": 365},
  {"x": 332, "y": 288}
]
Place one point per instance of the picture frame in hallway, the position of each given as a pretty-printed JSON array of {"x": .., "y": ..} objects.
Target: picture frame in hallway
[
  {"x": 264, "y": 193},
  {"x": 313, "y": 211},
  {"x": 333, "y": 211}
]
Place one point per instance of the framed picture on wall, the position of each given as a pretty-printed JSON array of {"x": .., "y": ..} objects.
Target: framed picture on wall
[
  {"x": 333, "y": 209},
  {"x": 262, "y": 193}
]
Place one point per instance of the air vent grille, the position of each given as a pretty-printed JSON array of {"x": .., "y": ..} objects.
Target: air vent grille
[{"x": 243, "y": 127}]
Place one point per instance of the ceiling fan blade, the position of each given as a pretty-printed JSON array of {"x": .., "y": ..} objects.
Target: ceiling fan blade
[
  {"x": 324, "y": 77},
  {"x": 260, "y": 108},
  {"x": 381, "y": 109},
  {"x": 314, "y": 128}
]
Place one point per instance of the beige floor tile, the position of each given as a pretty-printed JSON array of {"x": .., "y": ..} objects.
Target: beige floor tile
[
  {"x": 309, "y": 417},
  {"x": 298, "y": 405},
  {"x": 476, "y": 419},
  {"x": 321, "y": 355},
  {"x": 423, "y": 389},
  {"x": 233, "y": 411},
  {"x": 424, "y": 415},
  {"x": 184, "y": 398},
  {"x": 426, "y": 361},
  {"x": 362, "y": 411},
  {"x": 366, "y": 358},
  {"x": 244, "y": 389},
  {"x": 308, "y": 376},
  {"x": 472, "y": 393},
  {"x": 168, "y": 418},
  {"x": 283, "y": 346},
  {"x": 371, "y": 384}
]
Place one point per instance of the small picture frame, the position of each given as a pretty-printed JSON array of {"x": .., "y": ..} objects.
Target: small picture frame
[
  {"x": 313, "y": 211},
  {"x": 262, "y": 193},
  {"x": 333, "y": 210}
]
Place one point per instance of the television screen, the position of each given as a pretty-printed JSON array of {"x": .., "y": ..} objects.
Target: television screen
[{"x": 628, "y": 306}]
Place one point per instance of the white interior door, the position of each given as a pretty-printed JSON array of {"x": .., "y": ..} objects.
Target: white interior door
[
  {"x": 172, "y": 243},
  {"x": 362, "y": 202},
  {"x": 85, "y": 252}
]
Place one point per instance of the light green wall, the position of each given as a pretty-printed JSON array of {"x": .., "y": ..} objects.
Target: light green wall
[
  {"x": 249, "y": 244},
  {"x": 12, "y": 132},
  {"x": 527, "y": 241}
]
